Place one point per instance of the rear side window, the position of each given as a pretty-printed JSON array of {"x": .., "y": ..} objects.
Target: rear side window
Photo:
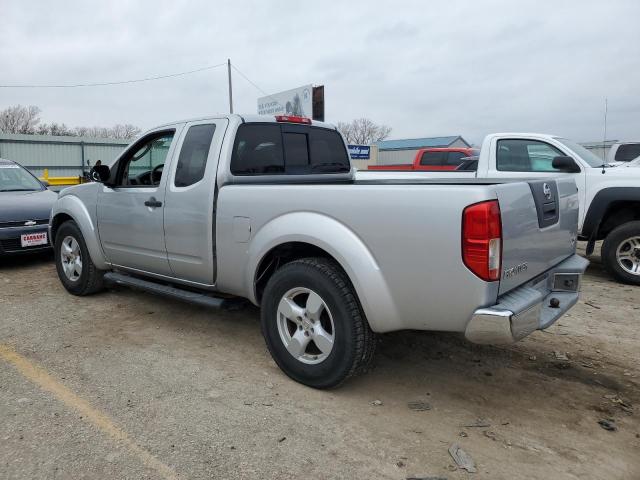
[
  {"x": 328, "y": 153},
  {"x": 434, "y": 159},
  {"x": 273, "y": 149},
  {"x": 628, "y": 152},
  {"x": 257, "y": 150},
  {"x": 193, "y": 155}
]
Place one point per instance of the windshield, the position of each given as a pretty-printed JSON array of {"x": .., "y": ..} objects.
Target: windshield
[
  {"x": 14, "y": 178},
  {"x": 592, "y": 159}
]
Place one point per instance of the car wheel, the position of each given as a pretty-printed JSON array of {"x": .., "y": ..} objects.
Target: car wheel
[
  {"x": 313, "y": 324},
  {"x": 75, "y": 269},
  {"x": 621, "y": 253}
]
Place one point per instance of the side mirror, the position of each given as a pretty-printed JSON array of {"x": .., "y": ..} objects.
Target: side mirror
[
  {"x": 565, "y": 164},
  {"x": 100, "y": 173}
]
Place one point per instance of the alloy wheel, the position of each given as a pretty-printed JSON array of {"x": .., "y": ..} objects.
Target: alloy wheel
[
  {"x": 71, "y": 258},
  {"x": 305, "y": 325},
  {"x": 628, "y": 255}
]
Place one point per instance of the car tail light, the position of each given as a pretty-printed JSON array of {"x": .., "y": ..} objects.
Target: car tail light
[
  {"x": 482, "y": 239},
  {"x": 293, "y": 119}
]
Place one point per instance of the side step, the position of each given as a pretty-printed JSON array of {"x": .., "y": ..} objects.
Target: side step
[{"x": 174, "y": 292}]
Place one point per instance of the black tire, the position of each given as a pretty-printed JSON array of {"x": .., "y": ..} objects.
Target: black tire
[
  {"x": 354, "y": 342},
  {"x": 612, "y": 242},
  {"x": 90, "y": 279}
]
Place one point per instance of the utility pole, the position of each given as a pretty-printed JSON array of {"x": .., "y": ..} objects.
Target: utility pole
[{"x": 230, "y": 89}]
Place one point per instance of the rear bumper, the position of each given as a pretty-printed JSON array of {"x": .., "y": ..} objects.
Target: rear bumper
[{"x": 533, "y": 306}]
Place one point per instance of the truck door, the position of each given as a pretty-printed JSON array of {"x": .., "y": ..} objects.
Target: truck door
[
  {"x": 130, "y": 214},
  {"x": 189, "y": 215},
  {"x": 530, "y": 158}
]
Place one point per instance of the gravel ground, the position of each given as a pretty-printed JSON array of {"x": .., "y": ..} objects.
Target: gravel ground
[{"x": 127, "y": 385}]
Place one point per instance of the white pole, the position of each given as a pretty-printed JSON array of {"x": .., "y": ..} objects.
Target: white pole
[
  {"x": 604, "y": 142},
  {"x": 230, "y": 89}
]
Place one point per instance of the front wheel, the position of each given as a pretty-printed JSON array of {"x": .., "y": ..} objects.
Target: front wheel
[
  {"x": 621, "y": 253},
  {"x": 313, "y": 324},
  {"x": 75, "y": 269}
]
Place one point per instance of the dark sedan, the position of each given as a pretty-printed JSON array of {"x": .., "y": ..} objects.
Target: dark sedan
[{"x": 25, "y": 206}]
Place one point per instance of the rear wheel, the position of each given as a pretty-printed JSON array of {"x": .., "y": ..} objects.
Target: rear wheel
[
  {"x": 75, "y": 269},
  {"x": 313, "y": 324},
  {"x": 621, "y": 253}
]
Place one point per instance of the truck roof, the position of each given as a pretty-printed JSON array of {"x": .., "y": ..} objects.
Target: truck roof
[
  {"x": 244, "y": 118},
  {"x": 525, "y": 134},
  {"x": 447, "y": 149}
]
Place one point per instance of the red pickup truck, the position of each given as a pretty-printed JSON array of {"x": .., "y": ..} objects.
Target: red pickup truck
[{"x": 433, "y": 159}]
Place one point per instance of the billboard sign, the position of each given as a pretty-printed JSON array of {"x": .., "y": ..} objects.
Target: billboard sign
[
  {"x": 318, "y": 103},
  {"x": 298, "y": 101},
  {"x": 359, "y": 152}
]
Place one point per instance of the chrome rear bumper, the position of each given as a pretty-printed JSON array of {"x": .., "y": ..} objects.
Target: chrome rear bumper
[{"x": 533, "y": 306}]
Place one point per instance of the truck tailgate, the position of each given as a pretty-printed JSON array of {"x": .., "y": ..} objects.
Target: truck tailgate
[{"x": 539, "y": 227}]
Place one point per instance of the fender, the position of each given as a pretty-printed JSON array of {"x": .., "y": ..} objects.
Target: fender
[
  {"x": 344, "y": 246},
  {"x": 599, "y": 207},
  {"x": 76, "y": 209}
]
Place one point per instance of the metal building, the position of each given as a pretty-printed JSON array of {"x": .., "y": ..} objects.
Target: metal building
[
  {"x": 62, "y": 156},
  {"x": 404, "y": 151}
]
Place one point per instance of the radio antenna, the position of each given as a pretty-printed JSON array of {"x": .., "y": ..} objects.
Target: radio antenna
[{"x": 604, "y": 139}]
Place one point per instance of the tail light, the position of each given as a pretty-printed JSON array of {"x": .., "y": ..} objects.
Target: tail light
[
  {"x": 482, "y": 239},
  {"x": 293, "y": 119}
]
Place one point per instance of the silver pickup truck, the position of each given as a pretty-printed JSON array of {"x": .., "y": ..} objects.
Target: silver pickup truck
[{"x": 269, "y": 209}]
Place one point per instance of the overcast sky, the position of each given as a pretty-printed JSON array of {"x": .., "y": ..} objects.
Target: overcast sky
[{"x": 424, "y": 68}]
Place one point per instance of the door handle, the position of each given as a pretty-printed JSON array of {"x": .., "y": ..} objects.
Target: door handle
[{"x": 152, "y": 202}]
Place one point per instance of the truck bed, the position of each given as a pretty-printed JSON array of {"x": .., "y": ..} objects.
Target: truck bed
[{"x": 403, "y": 236}]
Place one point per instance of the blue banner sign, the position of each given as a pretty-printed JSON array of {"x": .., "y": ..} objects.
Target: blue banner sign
[{"x": 359, "y": 152}]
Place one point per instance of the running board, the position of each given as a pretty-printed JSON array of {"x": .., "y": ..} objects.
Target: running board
[{"x": 174, "y": 292}]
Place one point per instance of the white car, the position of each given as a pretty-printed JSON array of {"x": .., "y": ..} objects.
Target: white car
[
  {"x": 623, "y": 153},
  {"x": 634, "y": 163}
]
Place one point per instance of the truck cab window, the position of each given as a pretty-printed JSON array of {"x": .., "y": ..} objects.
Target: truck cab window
[
  {"x": 433, "y": 159},
  {"x": 143, "y": 165},
  {"x": 257, "y": 150},
  {"x": 193, "y": 155},
  {"x": 328, "y": 153},
  {"x": 525, "y": 156},
  {"x": 296, "y": 150},
  {"x": 268, "y": 149},
  {"x": 627, "y": 152},
  {"x": 455, "y": 158}
]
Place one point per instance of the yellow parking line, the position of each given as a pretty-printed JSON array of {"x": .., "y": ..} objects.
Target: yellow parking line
[{"x": 45, "y": 381}]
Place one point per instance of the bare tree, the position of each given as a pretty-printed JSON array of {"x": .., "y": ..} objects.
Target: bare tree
[
  {"x": 346, "y": 130},
  {"x": 126, "y": 131},
  {"x": 98, "y": 132},
  {"x": 363, "y": 131},
  {"x": 19, "y": 119},
  {"x": 120, "y": 131},
  {"x": 59, "y": 129}
]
